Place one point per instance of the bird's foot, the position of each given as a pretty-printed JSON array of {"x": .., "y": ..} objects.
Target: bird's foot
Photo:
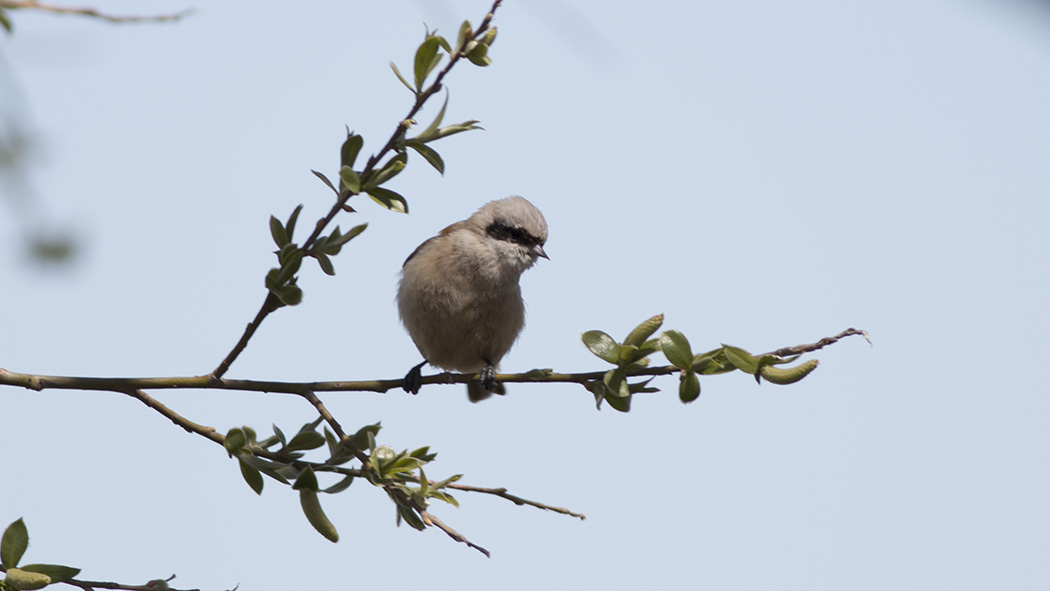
[{"x": 413, "y": 379}]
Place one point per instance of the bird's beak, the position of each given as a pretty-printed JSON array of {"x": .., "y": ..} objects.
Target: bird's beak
[{"x": 537, "y": 251}]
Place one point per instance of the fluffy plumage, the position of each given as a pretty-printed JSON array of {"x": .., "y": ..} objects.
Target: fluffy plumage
[{"x": 459, "y": 296}]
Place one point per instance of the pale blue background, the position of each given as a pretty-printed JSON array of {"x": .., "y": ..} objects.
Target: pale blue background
[{"x": 764, "y": 173}]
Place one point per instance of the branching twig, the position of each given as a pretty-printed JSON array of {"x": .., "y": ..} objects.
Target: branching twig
[
  {"x": 92, "y": 12},
  {"x": 120, "y": 386},
  {"x": 188, "y": 425},
  {"x": 399, "y": 132},
  {"x": 270, "y": 304}
]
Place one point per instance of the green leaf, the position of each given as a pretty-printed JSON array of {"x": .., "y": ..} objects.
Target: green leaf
[
  {"x": 424, "y": 454},
  {"x": 642, "y": 387},
  {"x": 306, "y": 440},
  {"x": 5, "y": 22},
  {"x": 340, "y": 486},
  {"x": 291, "y": 258},
  {"x": 360, "y": 439},
  {"x": 351, "y": 148},
  {"x": 465, "y": 33},
  {"x": 447, "y": 481},
  {"x": 768, "y": 359},
  {"x": 676, "y": 348},
  {"x": 741, "y": 359},
  {"x": 428, "y": 154},
  {"x": 13, "y": 544},
  {"x": 620, "y": 403},
  {"x": 290, "y": 226},
  {"x": 280, "y": 237},
  {"x": 280, "y": 435},
  {"x": 402, "y": 78},
  {"x": 307, "y": 480},
  {"x": 443, "y": 43},
  {"x": 391, "y": 200},
  {"x": 490, "y": 36},
  {"x": 332, "y": 246},
  {"x": 315, "y": 515},
  {"x": 602, "y": 345},
  {"x": 235, "y": 440},
  {"x": 649, "y": 347},
  {"x": 688, "y": 387},
  {"x": 643, "y": 331},
  {"x": 596, "y": 387},
  {"x": 616, "y": 383},
  {"x": 325, "y": 180},
  {"x": 454, "y": 129},
  {"x": 325, "y": 262},
  {"x": 391, "y": 169},
  {"x": 339, "y": 241},
  {"x": 266, "y": 467},
  {"x": 410, "y": 517},
  {"x": 290, "y": 295},
  {"x": 478, "y": 55},
  {"x": 427, "y": 58},
  {"x": 251, "y": 476},
  {"x": 349, "y": 179},
  {"x": 57, "y": 572},
  {"x": 788, "y": 375},
  {"x": 431, "y": 130},
  {"x": 443, "y": 496}
]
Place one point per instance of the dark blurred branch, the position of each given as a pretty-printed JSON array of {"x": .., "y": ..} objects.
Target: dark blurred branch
[{"x": 92, "y": 12}]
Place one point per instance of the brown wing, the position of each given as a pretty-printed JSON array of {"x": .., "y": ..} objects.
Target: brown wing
[{"x": 447, "y": 230}]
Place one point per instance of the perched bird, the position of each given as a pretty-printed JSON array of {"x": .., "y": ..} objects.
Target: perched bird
[{"x": 459, "y": 296}]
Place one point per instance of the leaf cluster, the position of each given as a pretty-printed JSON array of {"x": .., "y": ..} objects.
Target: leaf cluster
[
  {"x": 631, "y": 357},
  {"x": 13, "y": 545},
  {"x": 281, "y": 458}
]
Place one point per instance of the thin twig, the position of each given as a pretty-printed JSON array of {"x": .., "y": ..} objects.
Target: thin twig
[
  {"x": 421, "y": 98},
  {"x": 431, "y": 519},
  {"x": 503, "y": 494},
  {"x": 824, "y": 342},
  {"x": 270, "y": 304},
  {"x": 188, "y": 425},
  {"x": 92, "y": 12},
  {"x": 89, "y": 585}
]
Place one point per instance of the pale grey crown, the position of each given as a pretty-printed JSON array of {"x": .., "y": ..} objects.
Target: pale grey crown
[{"x": 515, "y": 221}]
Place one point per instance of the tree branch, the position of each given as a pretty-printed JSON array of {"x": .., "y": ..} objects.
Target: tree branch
[
  {"x": 421, "y": 99},
  {"x": 124, "y": 385},
  {"x": 92, "y": 12}
]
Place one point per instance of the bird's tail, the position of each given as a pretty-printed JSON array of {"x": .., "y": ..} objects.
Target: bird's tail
[{"x": 476, "y": 392}]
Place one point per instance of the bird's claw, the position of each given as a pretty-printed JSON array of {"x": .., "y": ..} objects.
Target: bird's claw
[
  {"x": 488, "y": 378},
  {"x": 413, "y": 379}
]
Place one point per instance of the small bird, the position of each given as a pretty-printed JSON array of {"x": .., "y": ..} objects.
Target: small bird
[{"x": 459, "y": 296}]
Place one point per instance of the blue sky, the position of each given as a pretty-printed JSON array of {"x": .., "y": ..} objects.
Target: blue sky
[{"x": 763, "y": 173}]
